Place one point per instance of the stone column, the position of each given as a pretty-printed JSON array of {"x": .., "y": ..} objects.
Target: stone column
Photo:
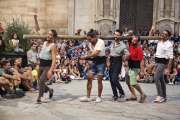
[
  {"x": 161, "y": 3},
  {"x": 112, "y": 8},
  {"x": 117, "y": 13},
  {"x": 96, "y": 13},
  {"x": 49, "y": 13},
  {"x": 172, "y": 9},
  {"x": 102, "y": 9}
]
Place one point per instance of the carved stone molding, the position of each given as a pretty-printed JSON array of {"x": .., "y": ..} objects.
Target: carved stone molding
[
  {"x": 161, "y": 3},
  {"x": 105, "y": 28},
  {"x": 166, "y": 25},
  {"x": 172, "y": 9}
]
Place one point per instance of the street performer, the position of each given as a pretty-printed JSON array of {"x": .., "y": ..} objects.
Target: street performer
[
  {"x": 97, "y": 67},
  {"x": 117, "y": 49}
]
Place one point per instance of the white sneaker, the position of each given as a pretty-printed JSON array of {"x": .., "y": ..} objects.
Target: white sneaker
[
  {"x": 2, "y": 98},
  {"x": 169, "y": 83},
  {"x": 85, "y": 99},
  {"x": 104, "y": 78},
  {"x": 159, "y": 99},
  {"x": 98, "y": 100}
]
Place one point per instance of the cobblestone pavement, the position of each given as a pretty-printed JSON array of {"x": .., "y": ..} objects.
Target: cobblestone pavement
[{"x": 65, "y": 104}]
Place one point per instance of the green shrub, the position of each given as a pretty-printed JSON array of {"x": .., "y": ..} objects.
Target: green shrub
[
  {"x": 9, "y": 48},
  {"x": 20, "y": 27}
]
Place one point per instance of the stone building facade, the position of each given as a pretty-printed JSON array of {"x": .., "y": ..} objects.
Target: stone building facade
[{"x": 66, "y": 16}]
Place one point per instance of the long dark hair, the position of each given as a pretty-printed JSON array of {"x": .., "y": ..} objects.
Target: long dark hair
[{"x": 12, "y": 35}]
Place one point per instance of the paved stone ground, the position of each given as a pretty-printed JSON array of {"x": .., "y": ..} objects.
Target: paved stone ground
[{"x": 65, "y": 105}]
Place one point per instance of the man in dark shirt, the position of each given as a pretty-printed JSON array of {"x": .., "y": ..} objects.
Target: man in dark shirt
[{"x": 145, "y": 34}]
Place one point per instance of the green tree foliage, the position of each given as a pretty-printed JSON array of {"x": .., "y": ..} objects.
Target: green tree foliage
[{"x": 20, "y": 27}]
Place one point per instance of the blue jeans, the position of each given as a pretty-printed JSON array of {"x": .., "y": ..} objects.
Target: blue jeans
[
  {"x": 97, "y": 68},
  {"x": 85, "y": 72},
  {"x": 114, "y": 71},
  {"x": 106, "y": 75}
]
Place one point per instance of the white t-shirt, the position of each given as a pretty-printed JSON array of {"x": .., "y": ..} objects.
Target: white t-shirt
[{"x": 99, "y": 46}]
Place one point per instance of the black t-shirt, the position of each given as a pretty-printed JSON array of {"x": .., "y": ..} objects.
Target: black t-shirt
[
  {"x": 76, "y": 43},
  {"x": 66, "y": 49}
]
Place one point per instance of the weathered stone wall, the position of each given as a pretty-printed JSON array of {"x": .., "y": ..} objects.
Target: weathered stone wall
[
  {"x": 166, "y": 15},
  {"x": 62, "y": 16},
  {"x": 84, "y": 15},
  {"x": 51, "y": 13}
]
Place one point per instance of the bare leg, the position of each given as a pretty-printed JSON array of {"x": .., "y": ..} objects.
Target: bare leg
[
  {"x": 100, "y": 85},
  {"x": 131, "y": 88},
  {"x": 6, "y": 85},
  {"x": 17, "y": 83},
  {"x": 25, "y": 83},
  {"x": 173, "y": 80},
  {"x": 55, "y": 76},
  {"x": 138, "y": 88},
  {"x": 89, "y": 84}
]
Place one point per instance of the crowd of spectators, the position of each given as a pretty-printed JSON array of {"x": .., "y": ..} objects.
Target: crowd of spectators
[{"x": 16, "y": 79}]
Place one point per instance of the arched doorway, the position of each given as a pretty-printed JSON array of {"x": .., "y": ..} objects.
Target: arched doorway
[{"x": 136, "y": 14}]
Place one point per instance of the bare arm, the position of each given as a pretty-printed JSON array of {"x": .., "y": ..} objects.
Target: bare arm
[
  {"x": 53, "y": 50},
  {"x": 151, "y": 31},
  {"x": 142, "y": 65},
  {"x": 9, "y": 76},
  {"x": 93, "y": 54},
  {"x": 169, "y": 64},
  {"x": 72, "y": 72},
  {"x": 37, "y": 26}
]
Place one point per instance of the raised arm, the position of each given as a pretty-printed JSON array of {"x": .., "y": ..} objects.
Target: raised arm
[
  {"x": 37, "y": 26},
  {"x": 151, "y": 31}
]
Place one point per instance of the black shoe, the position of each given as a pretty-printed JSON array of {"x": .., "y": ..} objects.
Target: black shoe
[
  {"x": 114, "y": 98},
  {"x": 38, "y": 101},
  {"x": 51, "y": 94}
]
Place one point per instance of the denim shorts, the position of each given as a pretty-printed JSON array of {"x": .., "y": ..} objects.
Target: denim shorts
[{"x": 97, "y": 68}]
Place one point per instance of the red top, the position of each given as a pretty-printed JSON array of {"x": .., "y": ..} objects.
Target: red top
[
  {"x": 178, "y": 70},
  {"x": 136, "y": 54},
  {"x": 1, "y": 29}
]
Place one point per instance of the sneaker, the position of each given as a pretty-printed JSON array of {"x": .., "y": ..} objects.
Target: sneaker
[
  {"x": 142, "y": 99},
  {"x": 9, "y": 96},
  {"x": 131, "y": 99},
  {"x": 169, "y": 83},
  {"x": 19, "y": 91},
  {"x": 159, "y": 99},
  {"x": 85, "y": 99},
  {"x": 98, "y": 100},
  {"x": 51, "y": 94},
  {"x": 165, "y": 100},
  {"x": 38, "y": 101},
  {"x": 114, "y": 98},
  {"x": 104, "y": 78},
  {"x": 2, "y": 98},
  {"x": 121, "y": 98}
]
